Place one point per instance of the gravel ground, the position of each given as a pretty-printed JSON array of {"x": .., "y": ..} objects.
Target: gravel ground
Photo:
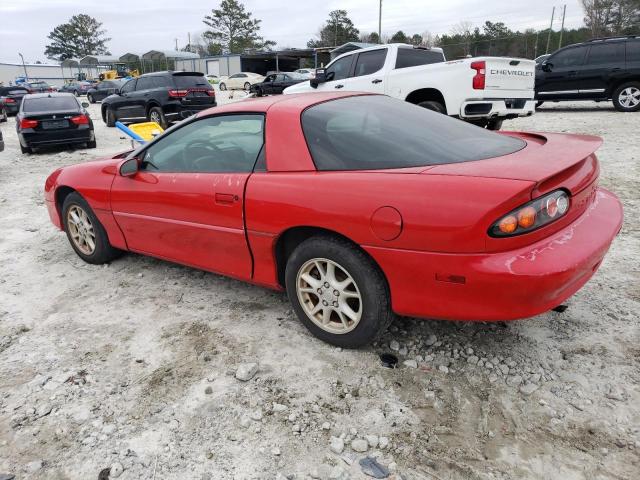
[{"x": 158, "y": 371}]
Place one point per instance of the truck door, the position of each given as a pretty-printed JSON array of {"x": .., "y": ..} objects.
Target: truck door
[
  {"x": 368, "y": 73},
  {"x": 336, "y": 74}
]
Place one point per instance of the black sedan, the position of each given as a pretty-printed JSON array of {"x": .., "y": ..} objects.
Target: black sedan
[
  {"x": 103, "y": 89},
  {"x": 48, "y": 119},
  {"x": 77, "y": 88},
  {"x": 12, "y": 96},
  {"x": 38, "y": 87},
  {"x": 276, "y": 83}
]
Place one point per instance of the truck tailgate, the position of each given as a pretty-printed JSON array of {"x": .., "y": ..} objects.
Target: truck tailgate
[{"x": 509, "y": 74}]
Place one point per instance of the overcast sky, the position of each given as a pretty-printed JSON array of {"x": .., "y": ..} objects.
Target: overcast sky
[{"x": 142, "y": 25}]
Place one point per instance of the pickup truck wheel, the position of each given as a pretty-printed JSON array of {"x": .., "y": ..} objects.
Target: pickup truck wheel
[
  {"x": 433, "y": 105},
  {"x": 110, "y": 118},
  {"x": 494, "y": 124},
  {"x": 157, "y": 115},
  {"x": 86, "y": 234},
  {"x": 626, "y": 98},
  {"x": 338, "y": 292}
]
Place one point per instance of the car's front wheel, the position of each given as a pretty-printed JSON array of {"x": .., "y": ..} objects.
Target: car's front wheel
[
  {"x": 4, "y": 116},
  {"x": 76, "y": 93},
  {"x": 247, "y": 86},
  {"x": 626, "y": 98},
  {"x": 90, "y": 98},
  {"x": 338, "y": 292},
  {"x": 85, "y": 232}
]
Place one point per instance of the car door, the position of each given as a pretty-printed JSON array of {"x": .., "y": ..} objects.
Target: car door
[
  {"x": 368, "y": 72},
  {"x": 186, "y": 202},
  {"x": 140, "y": 96},
  {"x": 267, "y": 85},
  {"x": 336, "y": 73},
  {"x": 104, "y": 89},
  {"x": 279, "y": 83},
  {"x": 559, "y": 76},
  {"x": 603, "y": 67},
  {"x": 123, "y": 104}
]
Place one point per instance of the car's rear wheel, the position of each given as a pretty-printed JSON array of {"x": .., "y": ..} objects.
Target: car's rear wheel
[
  {"x": 338, "y": 292},
  {"x": 25, "y": 149},
  {"x": 433, "y": 105},
  {"x": 157, "y": 115},
  {"x": 247, "y": 86},
  {"x": 110, "y": 118},
  {"x": 90, "y": 98},
  {"x": 4, "y": 116},
  {"x": 92, "y": 144},
  {"x": 222, "y": 86},
  {"x": 626, "y": 98},
  {"x": 85, "y": 232}
]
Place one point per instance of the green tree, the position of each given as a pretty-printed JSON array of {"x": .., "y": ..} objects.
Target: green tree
[
  {"x": 416, "y": 39},
  {"x": 370, "y": 37},
  {"x": 337, "y": 30},
  {"x": 233, "y": 29},
  {"x": 399, "y": 37},
  {"x": 81, "y": 36}
]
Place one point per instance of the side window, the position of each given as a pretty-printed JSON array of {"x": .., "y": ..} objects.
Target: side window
[
  {"x": 339, "y": 69},
  {"x": 633, "y": 51},
  {"x": 224, "y": 143},
  {"x": 370, "y": 62},
  {"x": 571, "y": 57},
  {"x": 412, "y": 57},
  {"x": 280, "y": 78},
  {"x": 129, "y": 86},
  {"x": 145, "y": 83},
  {"x": 270, "y": 78},
  {"x": 601, "y": 53}
]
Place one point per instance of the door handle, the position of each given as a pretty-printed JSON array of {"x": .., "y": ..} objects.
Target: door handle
[
  {"x": 377, "y": 80},
  {"x": 339, "y": 86},
  {"x": 225, "y": 198}
]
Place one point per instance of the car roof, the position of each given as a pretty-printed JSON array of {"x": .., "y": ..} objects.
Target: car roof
[{"x": 50, "y": 94}]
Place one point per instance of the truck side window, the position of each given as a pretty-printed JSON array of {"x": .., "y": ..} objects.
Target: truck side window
[
  {"x": 340, "y": 68},
  {"x": 413, "y": 57},
  {"x": 370, "y": 62}
]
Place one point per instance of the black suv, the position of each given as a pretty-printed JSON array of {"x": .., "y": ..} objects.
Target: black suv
[
  {"x": 600, "y": 69},
  {"x": 160, "y": 97}
]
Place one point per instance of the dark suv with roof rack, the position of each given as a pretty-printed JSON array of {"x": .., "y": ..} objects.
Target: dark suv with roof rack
[
  {"x": 161, "y": 97},
  {"x": 600, "y": 69}
]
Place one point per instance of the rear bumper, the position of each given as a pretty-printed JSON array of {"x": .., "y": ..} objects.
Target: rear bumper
[
  {"x": 178, "y": 111},
  {"x": 507, "y": 285},
  {"x": 60, "y": 137},
  {"x": 497, "y": 108}
]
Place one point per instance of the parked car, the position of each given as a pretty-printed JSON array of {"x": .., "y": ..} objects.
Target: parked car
[
  {"x": 4, "y": 114},
  {"x": 427, "y": 216},
  {"x": 47, "y": 119},
  {"x": 481, "y": 90},
  {"x": 306, "y": 72},
  {"x": 240, "y": 81},
  {"x": 103, "y": 89},
  {"x": 38, "y": 87},
  {"x": 77, "y": 88},
  {"x": 12, "y": 97},
  {"x": 160, "y": 97},
  {"x": 600, "y": 69},
  {"x": 276, "y": 83}
]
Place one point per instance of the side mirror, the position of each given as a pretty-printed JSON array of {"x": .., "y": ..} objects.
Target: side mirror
[
  {"x": 129, "y": 168},
  {"x": 546, "y": 66},
  {"x": 321, "y": 77},
  {"x": 84, "y": 105}
]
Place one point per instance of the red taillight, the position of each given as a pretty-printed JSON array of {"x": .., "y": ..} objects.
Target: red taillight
[
  {"x": 80, "y": 120},
  {"x": 479, "y": 77},
  {"x": 26, "y": 123},
  {"x": 30, "y": 90},
  {"x": 178, "y": 93},
  {"x": 9, "y": 100},
  {"x": 211, "y": 93}
]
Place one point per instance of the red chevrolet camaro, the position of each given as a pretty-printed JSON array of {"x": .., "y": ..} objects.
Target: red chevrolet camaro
[{"x": 359, "y": 206}]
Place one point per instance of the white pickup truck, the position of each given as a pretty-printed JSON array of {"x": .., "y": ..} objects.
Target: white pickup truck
[{"x": 481, "y": 90}]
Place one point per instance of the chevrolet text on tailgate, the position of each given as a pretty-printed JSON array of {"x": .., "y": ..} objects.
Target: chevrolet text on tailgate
[{"x": 482, "y": 90}]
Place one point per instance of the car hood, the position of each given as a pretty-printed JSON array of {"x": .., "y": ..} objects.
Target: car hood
[{"x": 302, "y": 87}]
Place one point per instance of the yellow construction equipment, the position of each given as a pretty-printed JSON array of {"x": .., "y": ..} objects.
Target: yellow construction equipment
[{"x": 119, "y": 71}]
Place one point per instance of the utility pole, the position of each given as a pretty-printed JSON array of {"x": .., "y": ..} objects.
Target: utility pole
[
  {"x": 176, "y": 44},
  {"x": 26, "y": 77},
  {"x": 189, "y": 37},
  {"x": 564, "y": 12},
  {"x": 380, "y": 23},
  {"x": 535, "y": 49},
  {"x": 550, "y": 29}
]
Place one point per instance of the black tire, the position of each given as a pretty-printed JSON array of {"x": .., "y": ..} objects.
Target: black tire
[
  {"x": 222, "y": 86},
  {"x": 25, "y": 149},
  {"x": 110, "y": 117},
  {"x": 539, "y": 103},
  {"x": 619, "y": 94},
  {"x": 103, "y": 251},
  {"x": 433, "y": 105},
  {"x": 76, "y": 93},
  {"x": 90, "y": 98},
  {"x": 156, "y": 114},
  {"x": 247, "y": 86},
  {"x": 495, "y": 124},
  {"x": 259, "y": 92},
  {"x": 92, "y": 144},
  {"x": 4, "y": 116},
  {"x": 376, "y": 314}
]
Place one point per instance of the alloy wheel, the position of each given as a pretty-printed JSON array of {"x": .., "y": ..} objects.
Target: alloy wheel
[
  {"x": 155, "y": 117},
  {"x": 81, "y": 230},
  {"x": 329, "y": 295},
  {"x": 630, "y": 97}
]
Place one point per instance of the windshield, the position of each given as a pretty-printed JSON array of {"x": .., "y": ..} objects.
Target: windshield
[
  {"x": 376, "y": 132},
  {"x": 49, "y": 104}
]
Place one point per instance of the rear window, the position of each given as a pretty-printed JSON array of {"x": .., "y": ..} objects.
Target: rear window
[
  {"x": 412, "y": 57},
  {"x": 49, "y": 104},
  {"x": 376, "y": 132},
  {"x": 191, "y": 81}
]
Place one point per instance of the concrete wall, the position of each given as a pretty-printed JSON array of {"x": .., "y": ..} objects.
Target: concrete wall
[
  {"x": 52, "y": 74},
  {"x": 218, "y": 65}
]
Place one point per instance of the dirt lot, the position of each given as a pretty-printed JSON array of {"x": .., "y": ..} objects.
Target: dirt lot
[{"x": 132, "y": 365}]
